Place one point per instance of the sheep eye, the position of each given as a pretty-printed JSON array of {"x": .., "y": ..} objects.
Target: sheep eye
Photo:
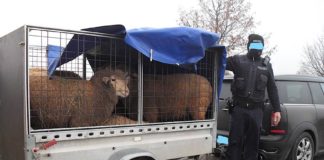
[{"x": 113, "y": 79}]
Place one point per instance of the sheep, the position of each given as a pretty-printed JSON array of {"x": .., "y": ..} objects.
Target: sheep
[
  {"x": 66, "y": 75},
  {"x": 118, "y": 120},
  {"x": 76, "y": 103},
  {"x": 173, "y": 97},
  {"x": 56, "y": 74},
  {"x": 37, "y": 72}
]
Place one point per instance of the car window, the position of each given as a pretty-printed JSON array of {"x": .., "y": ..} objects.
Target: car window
[
  {"x": 322, "y": 87},
  {"x": 317, "y": 92},
  {"x": 226, "y": 90},
  {"x": 294, "y": 92}
]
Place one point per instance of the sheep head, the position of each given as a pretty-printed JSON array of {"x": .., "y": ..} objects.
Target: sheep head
[
  {"x": 113, "y": 79},
  {"x": 118, "y": 84}
]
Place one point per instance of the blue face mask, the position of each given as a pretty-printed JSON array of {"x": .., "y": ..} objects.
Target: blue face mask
[{"x": 256, "y": 45}]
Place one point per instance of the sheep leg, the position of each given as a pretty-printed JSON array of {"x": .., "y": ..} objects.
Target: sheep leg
[
  {"x": 200, "y": 113},
  {"x": 152, "y": 115},
  {"x": 79, "y": 122},
  {"x": 151, "y": 112}
]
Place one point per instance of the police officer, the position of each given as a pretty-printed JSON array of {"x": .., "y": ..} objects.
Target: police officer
[{"x": 252, "y": 75}]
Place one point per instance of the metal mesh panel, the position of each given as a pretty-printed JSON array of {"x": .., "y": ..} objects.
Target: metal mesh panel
[
  {"x": 177, "y": 93},
  {"x": 99, "y": 87},
  {"x": 89, "y": 90}
]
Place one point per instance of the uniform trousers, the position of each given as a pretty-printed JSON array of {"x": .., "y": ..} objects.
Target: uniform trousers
[{"x": 245, "y": 128}]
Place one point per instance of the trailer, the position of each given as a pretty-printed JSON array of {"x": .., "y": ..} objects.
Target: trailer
[{"x": 43, "y": 77}]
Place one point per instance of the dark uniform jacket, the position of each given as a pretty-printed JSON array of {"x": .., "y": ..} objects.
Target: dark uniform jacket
[{"x": 251, "y": 78}]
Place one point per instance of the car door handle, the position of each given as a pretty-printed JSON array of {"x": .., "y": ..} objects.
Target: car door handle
[{"x": 224, "y": 109}]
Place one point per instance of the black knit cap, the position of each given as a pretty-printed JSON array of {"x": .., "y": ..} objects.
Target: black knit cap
[{"x": 254, "y": 38}]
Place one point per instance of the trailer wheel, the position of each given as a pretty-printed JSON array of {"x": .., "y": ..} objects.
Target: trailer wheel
[{"x": 143, "y": 158}]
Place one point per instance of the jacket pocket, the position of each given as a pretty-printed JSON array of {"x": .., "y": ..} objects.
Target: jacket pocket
[
  {"x": 262, "y": 82},
  {"x": 239, "y": 83}
]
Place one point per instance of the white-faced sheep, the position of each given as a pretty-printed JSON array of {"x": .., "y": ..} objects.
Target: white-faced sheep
[
  {"x": 75, "y": 103},
  {"x": 173, "y": 97}
]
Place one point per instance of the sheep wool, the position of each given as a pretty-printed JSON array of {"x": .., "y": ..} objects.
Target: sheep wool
[
  {"x": 118, "y": 120},
  {"x": 63, "y": 102},
  {"x": 175, "y": 97}
]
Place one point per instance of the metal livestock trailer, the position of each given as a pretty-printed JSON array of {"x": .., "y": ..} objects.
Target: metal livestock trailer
[{"x": 26, "y": 135}]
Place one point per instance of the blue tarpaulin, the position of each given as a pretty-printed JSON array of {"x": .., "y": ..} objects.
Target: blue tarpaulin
[
  {"x": 222, "y": 67},
  {"x": 78, "y": 45},
  {"x": 53, "y": 57},
  {"x": 177, "y": 45}
]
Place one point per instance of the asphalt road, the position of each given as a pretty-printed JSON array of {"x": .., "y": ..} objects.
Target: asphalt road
[
  {"x": 203, "y": 157},
  {"x": 319, "y": 157}
]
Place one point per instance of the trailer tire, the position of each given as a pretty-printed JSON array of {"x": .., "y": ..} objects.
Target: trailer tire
[{"x": 143, "y": 158}]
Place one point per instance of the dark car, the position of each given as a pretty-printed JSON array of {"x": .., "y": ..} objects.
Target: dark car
[{"x": 300, "y": 134}]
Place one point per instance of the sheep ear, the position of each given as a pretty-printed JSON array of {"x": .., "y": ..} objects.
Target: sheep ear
[
  {"x": 127, "y": 79},
  {"x": 134, "y": 75},
  {"x": 113, "y": 77},
  {"x": 105, "y": 80}
]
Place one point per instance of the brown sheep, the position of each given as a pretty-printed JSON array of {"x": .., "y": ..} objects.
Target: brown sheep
[
  {"x": 173, "y": 97},
  {"x": 35, "y": 117},
  {"x": 118, "y": 120},
  {"x": 75, "y": 103},
  {"x": 37, "y": 72},
  {"x": 56, "y": 74},
  {"x": 66, "y": 75}
]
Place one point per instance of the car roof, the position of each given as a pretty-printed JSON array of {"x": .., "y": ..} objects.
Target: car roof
[
  {"x": 307, "y": 78},
  {"x": 295, "y": 77}
]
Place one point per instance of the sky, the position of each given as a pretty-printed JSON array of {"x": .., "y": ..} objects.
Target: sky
[{"x": 292, "y": 23}]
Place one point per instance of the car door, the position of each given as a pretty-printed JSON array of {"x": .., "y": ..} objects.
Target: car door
[
  {"x": 297, "y": 99},
  {"x": 318, "y": 98}
]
